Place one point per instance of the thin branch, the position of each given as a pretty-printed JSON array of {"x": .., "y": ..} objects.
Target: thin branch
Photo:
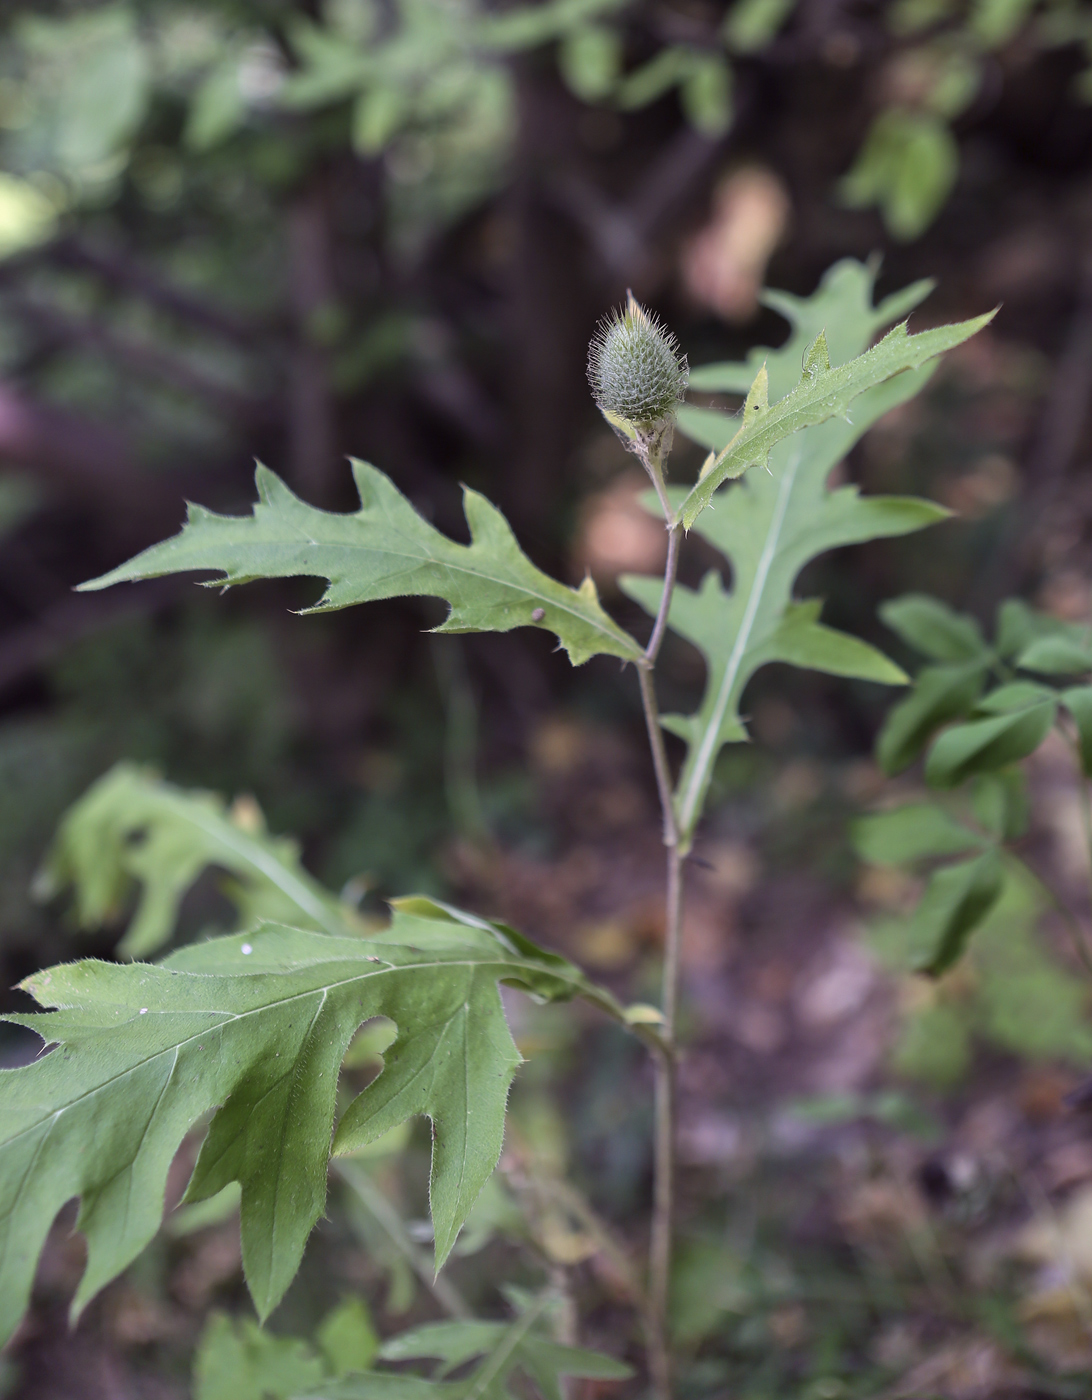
[
  {"x": 137, "y": 277},
  {"x": 141, "y": 356},
  {"x": 671, "y": 569},
  {"x": 663, "y": 1207},
  {"x": 659, "y": 754}
]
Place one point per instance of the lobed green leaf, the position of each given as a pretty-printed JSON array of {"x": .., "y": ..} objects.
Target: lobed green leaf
[
  {"x": 386, "y": 550},
  {"x": 772, "y": 525},
  {"x": 252, "y": 1029}
]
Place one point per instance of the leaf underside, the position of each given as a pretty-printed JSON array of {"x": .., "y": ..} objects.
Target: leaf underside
[
  {"x": 386, "y": 550},
  {"x": 770, "y": 525},
  {"x": 254, "y": 1027}
]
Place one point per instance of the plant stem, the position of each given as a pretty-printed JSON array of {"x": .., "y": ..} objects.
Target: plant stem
[
  {"x": 663, "y": 1206},
  {"x": 671, "y": 569}
]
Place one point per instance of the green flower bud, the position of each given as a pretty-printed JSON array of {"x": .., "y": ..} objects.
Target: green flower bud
[{"x": 634, "y": 367}]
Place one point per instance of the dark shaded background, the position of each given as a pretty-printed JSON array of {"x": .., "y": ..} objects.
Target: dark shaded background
[{"x": 280, "y": 295}]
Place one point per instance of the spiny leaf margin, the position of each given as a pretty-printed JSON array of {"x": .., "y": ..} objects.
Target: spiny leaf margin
[
  {"x": 822, "y": 393},
  {"x": 385, "y": 550}
]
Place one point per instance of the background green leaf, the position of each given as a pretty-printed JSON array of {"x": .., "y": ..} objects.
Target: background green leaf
[
  {"x": 940, "y": 694},
  {"x": 984, "y": 744},
  {"x": 132, "y": 828},
  {"x": 911, "y": 833},
  {"x": 955, "y": 902},
  {"x": 931, "y": 627}
]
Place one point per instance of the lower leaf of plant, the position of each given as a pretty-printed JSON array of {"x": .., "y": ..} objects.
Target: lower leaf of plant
[{"x": 255, "y": 1026}]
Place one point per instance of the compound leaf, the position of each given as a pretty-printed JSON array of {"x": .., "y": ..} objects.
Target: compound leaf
[
  {"x": 912, "y": 833},
  {"x": 772, "y": 525},
  {"x": 386, "y": 550},
  {"x": 1000, "y": 802},
  {"x": 955, "y": 902},
  {"x": 131, "y": 826},
  {"x": 1015, "y": 695},
  {"x": 253, "y": 1028},
  {"x": 238, "y": 1360},
  {"x": 940, "y": 693},
  {"x": 1057, "y": 656},
  {"x": 984, "y": 744},
  {"x": 506, "y": 1347},
  {"x": 931, "y": 627}
]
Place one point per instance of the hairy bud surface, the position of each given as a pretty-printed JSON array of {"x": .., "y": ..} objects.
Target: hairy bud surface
[{"x": 634, "y": 366}]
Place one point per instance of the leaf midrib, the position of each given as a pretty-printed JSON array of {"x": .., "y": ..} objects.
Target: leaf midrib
[{"x": 709, "y": 743}]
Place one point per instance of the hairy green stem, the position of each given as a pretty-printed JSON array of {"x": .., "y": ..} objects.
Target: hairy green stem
[
  {"x": 663, "y": 1205},
  {"x": 671, "y": 569}
]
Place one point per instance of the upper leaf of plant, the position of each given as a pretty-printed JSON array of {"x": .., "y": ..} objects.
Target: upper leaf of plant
[
  {"x": 131, "y": 826},
  {"x": 822, "y": 392},
  {"x": 254, "y": 1027},
  {"x": 386, "y": 550},
  {"x": 771, "y": 525}
]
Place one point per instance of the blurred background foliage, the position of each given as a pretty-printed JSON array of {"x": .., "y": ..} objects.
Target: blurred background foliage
[{"x": 295, "y": 230}]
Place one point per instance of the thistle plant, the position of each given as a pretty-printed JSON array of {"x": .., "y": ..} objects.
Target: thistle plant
[{"x": 247, "y": 1032}]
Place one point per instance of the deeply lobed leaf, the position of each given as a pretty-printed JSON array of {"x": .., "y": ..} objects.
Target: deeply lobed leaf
[
  {"x": 253, "y": 1028},
  {"x": 386, "y": 550}
]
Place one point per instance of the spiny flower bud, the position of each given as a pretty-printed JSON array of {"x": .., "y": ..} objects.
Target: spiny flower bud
[{"x": 634, "y": 367}]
